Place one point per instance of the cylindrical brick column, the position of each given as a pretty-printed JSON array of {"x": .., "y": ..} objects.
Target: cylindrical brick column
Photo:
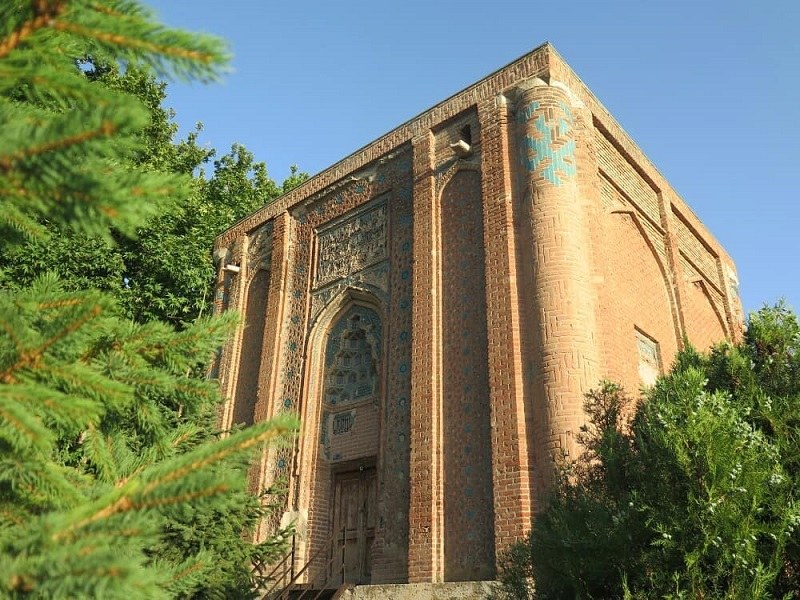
[{"x": 566, "y": 362}]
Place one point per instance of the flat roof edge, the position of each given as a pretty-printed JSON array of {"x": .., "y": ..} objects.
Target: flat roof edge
[
  {"x": 534, "y": 63},
  {"x": 542, "y": 61}
]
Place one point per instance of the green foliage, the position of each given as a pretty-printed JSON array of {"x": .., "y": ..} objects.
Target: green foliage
[
  {"x": 57, "y": 164},
  {"x": 695, "y": 495},
  {"x": 166, "y": 271},
  {"x": 113, "y": 481},
  {"x": 169, "y": 269}
]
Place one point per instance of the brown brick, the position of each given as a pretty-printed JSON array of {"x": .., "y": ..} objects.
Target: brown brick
[{"x": 498, "y": 282}]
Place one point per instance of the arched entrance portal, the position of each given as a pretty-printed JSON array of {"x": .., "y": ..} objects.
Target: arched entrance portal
[{"x": 344, "y": 421}]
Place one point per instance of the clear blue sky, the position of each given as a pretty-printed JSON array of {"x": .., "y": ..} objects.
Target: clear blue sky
[{"x": 708, "y": 88}]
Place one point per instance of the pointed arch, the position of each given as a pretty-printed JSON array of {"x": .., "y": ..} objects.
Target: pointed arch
[
  {"x": 342, "y": 406},
  {"x": 705, "y": 322},
  {"x": 665, "y": 270},
  {"x": 639, "y": 296}
]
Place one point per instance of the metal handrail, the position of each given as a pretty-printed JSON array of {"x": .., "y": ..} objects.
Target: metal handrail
[
  {"x": 290, "y": 557},
  {"x": 288, "y": 588},
  {"x": 324, "y": 585}
]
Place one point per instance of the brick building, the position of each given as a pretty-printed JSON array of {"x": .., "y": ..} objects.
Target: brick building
[{"x": 434, "y": 306}]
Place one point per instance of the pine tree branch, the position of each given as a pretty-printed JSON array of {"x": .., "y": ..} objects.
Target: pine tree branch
[
  {"x": 218, "y": 488},
  {"x": 44, "y": 14},
  {"x": 109, "y": 11},
  {"x": 14, "y": 218},
  {"x": 9, "y": 330},
  {"x": 60, "y": 303},
  {"x": 126, "y": 502},
  {"x": 20, "y": 427},
  {"x": 106, "y": 129},
  {"x": 136, "y": 44},
  {"x": 30, "y": 358},
  {"x": 193, "y": 567},
  {"x": 207, "y": 461}
]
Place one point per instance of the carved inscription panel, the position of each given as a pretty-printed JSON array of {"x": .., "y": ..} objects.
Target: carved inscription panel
[{"x": 352, "y": 245}]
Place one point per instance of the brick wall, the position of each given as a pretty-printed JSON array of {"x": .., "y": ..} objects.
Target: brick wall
[
  {"x": 467, "y": 470},
  {"x": 505, "y": 281}
]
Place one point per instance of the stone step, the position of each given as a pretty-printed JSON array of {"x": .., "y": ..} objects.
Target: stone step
[{"x": 459, "y": 590}]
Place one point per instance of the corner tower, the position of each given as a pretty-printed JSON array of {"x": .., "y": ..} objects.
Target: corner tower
[{"x": 434, "y": 307}]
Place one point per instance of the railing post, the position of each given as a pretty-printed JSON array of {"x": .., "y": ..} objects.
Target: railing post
[
  {"x": 344, "y": 552},
  {"x": 294, "y": 550}
]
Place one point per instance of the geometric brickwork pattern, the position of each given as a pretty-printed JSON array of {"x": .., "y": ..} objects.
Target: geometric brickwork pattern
[
  {"x": 388, "y": 187},
  {"x": 468, "y": 499},
  {"x": 520, "y": 189}
]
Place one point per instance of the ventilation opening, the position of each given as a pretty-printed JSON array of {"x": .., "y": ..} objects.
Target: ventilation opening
[{"x": 465, "y": 133}]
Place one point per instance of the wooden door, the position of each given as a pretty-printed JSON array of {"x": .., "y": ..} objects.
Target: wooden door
[{"x": 354, "y": 518}]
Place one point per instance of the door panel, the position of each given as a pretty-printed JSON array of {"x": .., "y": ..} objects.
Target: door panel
[{"x": 354, "y": 519}]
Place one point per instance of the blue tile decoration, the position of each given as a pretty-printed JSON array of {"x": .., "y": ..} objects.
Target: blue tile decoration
[
  {"x": 538, "y": 153},
  {"x": 394, "y": 182}
]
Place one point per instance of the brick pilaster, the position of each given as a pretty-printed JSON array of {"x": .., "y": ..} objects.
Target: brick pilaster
[
  {"x": 511, "y": 480},
  {"x": 268, "y": 399},
  {"x": 276, "y": 300},
  {"x": 676, "y": 273},
  {"x": 230, "y": 296},
  {"x": 425, "y": 511}
]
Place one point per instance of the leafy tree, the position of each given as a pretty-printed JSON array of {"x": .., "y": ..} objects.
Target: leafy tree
[
  {"x": 108, "y": 474},
  {"x": 166, "y": 271},
  {"x": 694, "y": 496},
  {"x": 169, "y": 269}
]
